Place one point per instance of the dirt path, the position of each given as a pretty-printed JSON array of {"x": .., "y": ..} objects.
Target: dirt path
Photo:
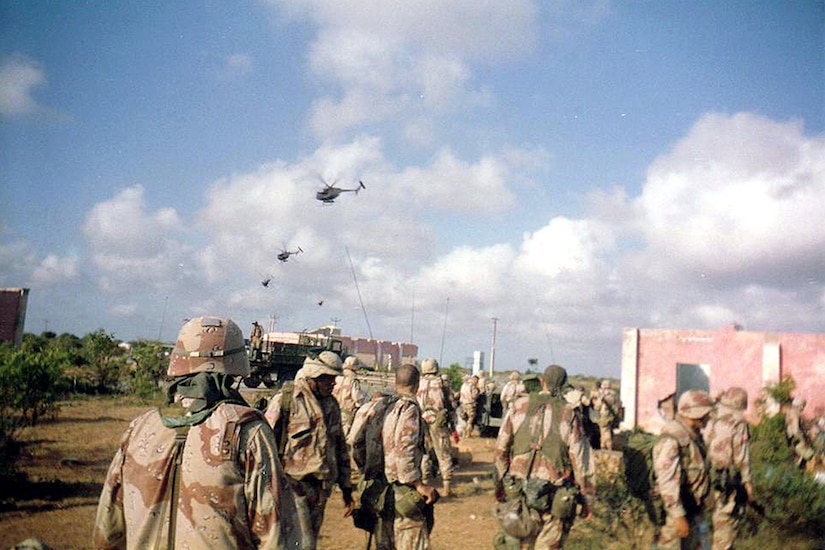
[{"x": 66, "y": 461}]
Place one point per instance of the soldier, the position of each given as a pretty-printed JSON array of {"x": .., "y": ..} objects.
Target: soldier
[
  {"x": 204, "y": 474},
  {"x": 256, "y": 339},
  {"x": 348, "y": 392},
  {"x": 541, "y": 441},
  {"x": 682, "y": 476},
  {"x": 796, "y": 433},
  {"x": 468, "y": 397},
  {"x": 511, "y": 390},
  {"x": 307, "y": 423},
  {"x": 403, "y": 437},
  {"x": 367, "y": 445},
  {"x": 436, "y": 411},
  {"x": 606, "y": 404},
  {"x": 729, "y": 454}
]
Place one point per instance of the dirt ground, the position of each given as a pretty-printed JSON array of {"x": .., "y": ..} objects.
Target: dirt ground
[{"x": 66, "y": 462}]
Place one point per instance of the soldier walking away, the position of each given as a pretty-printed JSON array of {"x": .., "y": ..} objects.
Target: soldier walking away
[
  {"x": 682, "y": 474},
  {"x": 376, "y": 509},
  {"x": 348, "y": 392},
  {"x": 436, "y": 411},
  {"x": 205, "y": 472},
  {"x": 307, "y": 424},
  {"x": 728, "y": 448},
  {"x": 403, "y": 437},
  {"x": 256, "y": 340},
  {"x": 512, "y": 389},
  {"x": 605, "y": 402},
  {"x": 468, "y": 398},
  {"x": 540, "y": 457}
]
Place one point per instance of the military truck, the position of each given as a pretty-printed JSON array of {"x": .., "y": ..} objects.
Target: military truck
[{"x": 277, "y": 362}]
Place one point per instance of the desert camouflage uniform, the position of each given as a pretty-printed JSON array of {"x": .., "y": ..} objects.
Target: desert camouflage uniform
[
  {"x": 554, "y": 530},
  {"x": 316, "y": 456},
  {"x": 468, "y": 397},
  {"x": 509, "y": 392},
  {"x": 403, "y": 437},
  {"x": 232, "y": 490},
  {"x": 368, "y": 454},
  {"x": 679, "y": 451},
  {"x": 606, "y": 403},
  {"x": 349, "y": 396},
  {"x": 435, "y": 407},
  {"x": 728, "y": 452}
]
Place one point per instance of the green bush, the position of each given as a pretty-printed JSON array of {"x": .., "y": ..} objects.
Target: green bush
[{"x": 793, "y": 500}]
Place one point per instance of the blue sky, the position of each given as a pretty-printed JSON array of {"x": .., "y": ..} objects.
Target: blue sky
[{"x": 570, "y": 168}]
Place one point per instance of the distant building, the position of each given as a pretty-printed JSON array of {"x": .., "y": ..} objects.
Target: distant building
[
  {"x": 658, "y": 363},
  {"x": 13, "y": 302}
]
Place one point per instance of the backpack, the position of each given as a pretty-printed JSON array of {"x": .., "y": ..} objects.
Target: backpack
[{"x": 640, "y": 476}]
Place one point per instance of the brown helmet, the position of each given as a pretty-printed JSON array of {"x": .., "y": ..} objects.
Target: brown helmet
[
  {"x": 514, "y": 376},
  {"x": 209, "y": 344},
  {"x": 695, "y": 404},
  {"x": 326, "y": 362},
  {"x": 429, "y": 366},
  {"x": 735, "y": 398},
  {"x": 351, "y": 363}
]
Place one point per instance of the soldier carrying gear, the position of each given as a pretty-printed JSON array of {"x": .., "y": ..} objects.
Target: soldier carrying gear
[
  {"x": 511, "y": 390},
  {"x": 468, "y": 398},
  {"x": 348, "y": 392},
  {"x": 541, "y": 457},
  {"x": 210, "y": 442},
  {"x": 256, "y": 340},
  {"x": 728, "y": 448},
  {"x": 315, "y": 456},
  {"x": 436, "y": 406},
  {"x": 606, "y": 405},
  {"x": 682, "y": 473}
]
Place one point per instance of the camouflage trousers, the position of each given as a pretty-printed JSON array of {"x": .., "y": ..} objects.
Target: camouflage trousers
[
  {"x": 411, "y": 534},
  {"x": 697, "y": 539},
  {"x": 728, "y": 512},
  {"x": 606, "y": 437},
  {"x": 469, "y": 410},
  {"x": 553, "y": 533},
  {"x": 438, "y": 438},
  {"x": 310, "y": 500}
]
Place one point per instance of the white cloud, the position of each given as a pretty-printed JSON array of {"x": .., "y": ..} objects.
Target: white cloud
[
  {"x": 237, "y": 65},
  {"x": 54, "y": 270},
  {"x": 739, "y": 195},
  {"x": 19, "y": 77}
]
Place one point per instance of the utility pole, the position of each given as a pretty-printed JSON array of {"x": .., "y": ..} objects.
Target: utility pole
[
  {"x": 444, "y": 331},
  {"x": 335, "y": 321},
  {"x": 493, "y": 349}
]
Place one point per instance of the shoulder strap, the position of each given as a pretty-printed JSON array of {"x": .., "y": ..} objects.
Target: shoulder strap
[
  {"x": 282, "y": 425},
  {"x": 177, "y": 457}
]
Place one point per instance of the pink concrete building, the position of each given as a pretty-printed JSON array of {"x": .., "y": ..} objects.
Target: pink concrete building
[{"x": 657, "y": 363}]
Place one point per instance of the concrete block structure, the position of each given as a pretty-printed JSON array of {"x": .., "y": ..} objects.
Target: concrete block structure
[
  {"x": 13, "y": 303},
  {"x": 657, "y": 363}
]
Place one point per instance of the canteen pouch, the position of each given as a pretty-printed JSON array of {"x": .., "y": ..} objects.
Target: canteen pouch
[
  {"x": 564, "y": 502},
  {"x": 538, "y": 494},
  {"x": 408, "y": 502}
]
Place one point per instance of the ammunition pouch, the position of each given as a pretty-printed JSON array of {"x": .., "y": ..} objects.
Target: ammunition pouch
[
  {"x": 564, "y": 501},
  {"x": 517, "y": 519},
  {"x": 539, "y": 494},
  {"x": 375, "y": 502}
]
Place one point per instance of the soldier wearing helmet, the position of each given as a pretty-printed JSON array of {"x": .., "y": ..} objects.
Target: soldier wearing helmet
[
  {"x": 727, "y": 441},
  {"x": 605, "y": 403},
  {"x": 306, "y": 419},
  {"x": 796, "y": 433},
  {"x": 348, "y": 392},
  {"x": 682, "y": 475},
  {"x": 436, "y": 411},
  {"x": 540, "y": 439},
  {"x": 209, "y": 442},
  {"x": 512, "y": 388},
  {"x": 468, "y": 398}
]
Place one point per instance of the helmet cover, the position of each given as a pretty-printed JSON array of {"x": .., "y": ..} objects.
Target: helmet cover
[{"x": 209, "y": 344}]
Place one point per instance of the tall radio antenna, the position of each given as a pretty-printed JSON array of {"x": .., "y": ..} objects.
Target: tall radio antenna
[{"x": 358, "y": 290}]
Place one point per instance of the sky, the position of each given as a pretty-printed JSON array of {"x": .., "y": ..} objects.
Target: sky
[{"x": 539, "y": 174}]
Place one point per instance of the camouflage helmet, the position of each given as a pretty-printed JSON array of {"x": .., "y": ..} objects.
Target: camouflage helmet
[
  {"x": 604, "y": 384},
  {"x": 555, "y": 376},
  {"x": 429, "y": 366},
  {"x": 735, "y": 398},
  {"x": 799, "y": 403},
  {"x": 695, "y": 404},
  {"x": 209, "y": 344},
  {"x": 514, "y": 376},
  {"x": 351, "y": 363},
  {"x": 326, "y": 362}
]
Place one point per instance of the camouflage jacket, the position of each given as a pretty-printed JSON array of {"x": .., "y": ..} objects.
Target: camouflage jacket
[
  {"x": 606, "y": 403},
  {"x": 432, "y": 397},
  {"x": 679, "y": 460},
  {"x": 365, "y": 437},
  {"x": 509, "y": 392},
  {"x": 403, "y": 438},
  {"x": 570, "y": 430},
  {"x": 315, "y": 444},
  {"x": 348, "y": 392},
  {"x": 468, "y": 393},
  {"x": 232, "y": 491},
  {"x": 728, "y": 446}
]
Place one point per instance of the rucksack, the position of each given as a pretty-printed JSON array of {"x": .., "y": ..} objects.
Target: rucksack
[{"x": 640, "y": 476}]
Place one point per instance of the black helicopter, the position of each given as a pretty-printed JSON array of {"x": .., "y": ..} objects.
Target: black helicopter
[
  {"x": 329, "y": 193},
  {"x": 285, "y": 254}
]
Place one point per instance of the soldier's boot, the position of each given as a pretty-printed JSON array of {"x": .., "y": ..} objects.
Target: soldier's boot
[{"x": 447, "y": 490}]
